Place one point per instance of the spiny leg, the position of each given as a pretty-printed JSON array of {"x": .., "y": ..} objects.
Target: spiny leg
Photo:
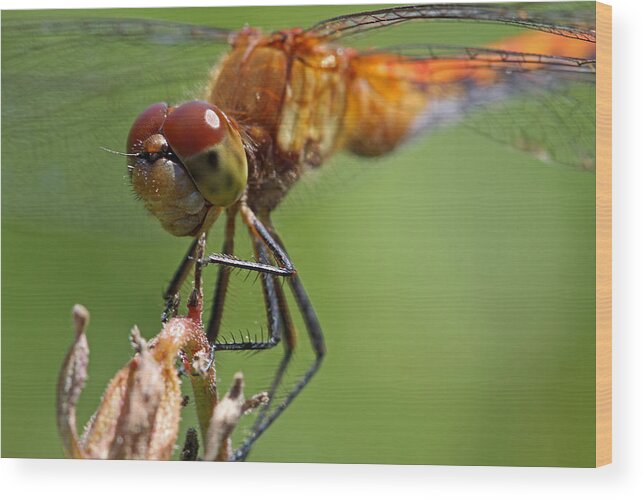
[
  {"x": 317, "y": 341},
  {"x": 271, "y": 291},
  {"x": 269, "y": 288},
  {"x": 258, "y": 230},
  {"x": 276, "y": 310},
  {"x": 264, "y": 238},
  {"x": 223, "y": 280}
]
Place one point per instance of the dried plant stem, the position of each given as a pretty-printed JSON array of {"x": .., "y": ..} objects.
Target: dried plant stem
[{"x": 199, "y": 361}]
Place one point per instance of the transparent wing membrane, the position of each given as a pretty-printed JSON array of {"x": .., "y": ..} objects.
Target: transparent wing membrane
[{"x": 516, "y": 14}]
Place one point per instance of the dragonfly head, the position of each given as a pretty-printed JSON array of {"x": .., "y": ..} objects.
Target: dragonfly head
[{"x": 184, "y": 160}]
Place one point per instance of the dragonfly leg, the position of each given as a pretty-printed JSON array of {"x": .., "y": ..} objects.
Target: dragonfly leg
[
  {"x": 266, "y": 245},
  {"x": 223, "y": 280},
  {"x": 284, "y": 268},
  {"x": 289, "y": 332},
  {"x": 265, "y": 419},
  {"x": 171, "y": 293},
  {"x": 277, "y": 312},
  {"x": 273, "y": 307}
]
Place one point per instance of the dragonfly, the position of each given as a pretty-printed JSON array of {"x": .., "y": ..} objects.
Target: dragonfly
[{"x": 280, "y": 104}]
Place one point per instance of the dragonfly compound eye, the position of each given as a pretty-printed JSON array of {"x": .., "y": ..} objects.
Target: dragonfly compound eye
[
  {"x": 210, "y": 148},
  {"x": 148, "y": 123},
  {"x": 159, "y": 179}
]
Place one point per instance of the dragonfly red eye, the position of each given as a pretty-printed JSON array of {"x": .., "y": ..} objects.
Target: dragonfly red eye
[
  {"x": 148, "y": 123},
  {"x": 194, "y": 127}
]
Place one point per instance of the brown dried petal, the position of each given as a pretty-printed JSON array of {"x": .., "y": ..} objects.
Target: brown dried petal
[
  {"x": 139, "y": 415},
  {"x": 101, "y": 429},
  {"x": 144, "y": 390},
  {"x": 225, "y": 418},
  {"x": 168, "y": 417},
  {"x": 71, "y": 381}
]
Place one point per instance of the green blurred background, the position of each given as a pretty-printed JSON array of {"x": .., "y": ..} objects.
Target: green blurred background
[{"x": 454, "y": 279}]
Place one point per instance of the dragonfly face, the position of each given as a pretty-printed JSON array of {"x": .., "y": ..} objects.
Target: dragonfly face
[
  {"x": 186, "y": 160},
  {"x": 199, "y": 160}
]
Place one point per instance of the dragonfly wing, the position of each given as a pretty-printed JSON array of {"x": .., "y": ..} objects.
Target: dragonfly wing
[
  {"x": 72, "y": 85},
  {"x": 542, "y": 71},
  {"x": 552, "y": 117},
  {"x": 540, "y": 103},
  {"x": 578, "y": 19}
]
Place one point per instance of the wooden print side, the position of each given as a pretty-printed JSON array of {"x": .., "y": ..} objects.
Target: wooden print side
[{"x": 604, "y": 235}]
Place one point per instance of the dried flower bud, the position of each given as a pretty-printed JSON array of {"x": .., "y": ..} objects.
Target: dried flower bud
[{"x": 139, "y": 413}]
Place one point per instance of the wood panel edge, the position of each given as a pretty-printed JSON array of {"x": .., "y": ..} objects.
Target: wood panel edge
[{"x": 603, "y": 234}]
